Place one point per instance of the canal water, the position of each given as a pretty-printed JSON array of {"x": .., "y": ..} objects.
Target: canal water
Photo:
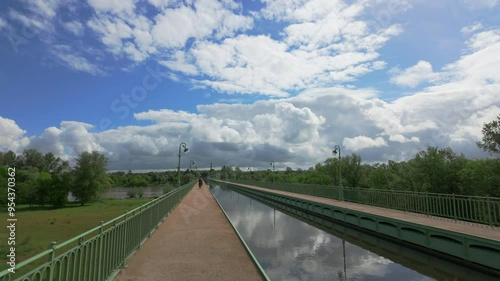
[
  {"x": 289, "y": 248},
  {"x": 123, "y": 193}
]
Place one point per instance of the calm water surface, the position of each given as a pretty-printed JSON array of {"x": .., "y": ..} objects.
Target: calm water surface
[
  {"x": 291, "y": 249},
  {"x": 122, "y": 193}
]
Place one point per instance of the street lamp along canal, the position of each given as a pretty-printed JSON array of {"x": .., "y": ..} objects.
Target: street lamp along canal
[
  {"x": 272, "y": 164},
  {"x": 191, "y": 165},
  {"x": 336, "y": 147},
  {"x": 182, "y": 145}
]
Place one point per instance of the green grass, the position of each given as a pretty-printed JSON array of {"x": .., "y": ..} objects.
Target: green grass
[{"x": 37, "y": 227}]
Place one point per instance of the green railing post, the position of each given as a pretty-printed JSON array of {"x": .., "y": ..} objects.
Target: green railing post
[
  {"x": 80, "y": 258},
  {"x": 51, "y": 259},
  {"x": 454, "y": 206},
  {"x": 407, "y": 201},
  {"x": 124, "y": 263},
  {"x": 140, "y": 227},
  {"x": 427, "y": 203},
  {"x": 101, "y": 246},
  {"x": 489, "y": 210}
]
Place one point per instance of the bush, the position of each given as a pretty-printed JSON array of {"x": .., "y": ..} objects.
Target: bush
[{"x": 131, "y": 193}]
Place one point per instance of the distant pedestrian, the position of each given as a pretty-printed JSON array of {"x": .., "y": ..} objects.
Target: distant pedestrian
[{"x": 200, "y": 182}]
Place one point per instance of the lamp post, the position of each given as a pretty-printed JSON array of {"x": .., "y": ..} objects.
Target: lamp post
[
  {"x": 343, "y": 274},
  {"x": 336, "y": 147},
  {"x": 345, "y": 267},
  {"x": 182, "y": 145},
  {"x": 272, "y": 164},
  {"x": 191, "y": 165}
]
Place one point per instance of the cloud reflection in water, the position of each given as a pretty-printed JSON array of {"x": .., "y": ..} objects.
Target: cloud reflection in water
[{"x": 290, "y": 249}]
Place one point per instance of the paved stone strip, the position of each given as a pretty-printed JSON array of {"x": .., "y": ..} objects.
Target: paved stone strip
[
  {"x": 475, "y": 229},
  {"x": 196, "y": 242}
]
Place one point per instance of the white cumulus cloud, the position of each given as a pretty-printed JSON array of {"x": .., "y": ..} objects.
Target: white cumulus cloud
[
  {"x": 414, "y": 75},
  {"x": 11, "y": 136},
  {"x": 361, "y": 142}
]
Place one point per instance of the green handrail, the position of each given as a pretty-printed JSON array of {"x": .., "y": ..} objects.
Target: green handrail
[
  {"x": 101, "y": 256},
  {"x": 479, "y": 209}
]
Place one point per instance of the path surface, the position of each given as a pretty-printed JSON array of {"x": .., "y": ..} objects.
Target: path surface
[
  {"x": 470, "y": 228},
  {"x": 196, "y": 242}
]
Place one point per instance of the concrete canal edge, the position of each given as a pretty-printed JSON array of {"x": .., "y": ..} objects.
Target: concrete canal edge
[{"x": 262, "y": 271}]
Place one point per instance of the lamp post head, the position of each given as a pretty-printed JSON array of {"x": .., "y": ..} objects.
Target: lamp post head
[
  {"x": 336, "y": 149},
  {"x": 183, "y": 145}
]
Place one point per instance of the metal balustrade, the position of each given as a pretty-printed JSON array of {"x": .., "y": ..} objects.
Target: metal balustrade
[
  {"x": 484, "y": 210},
  {"x": 101, "y": 252}
]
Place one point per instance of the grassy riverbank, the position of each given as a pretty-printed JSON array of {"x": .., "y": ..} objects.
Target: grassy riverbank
[{"x": 36, "y": 227}]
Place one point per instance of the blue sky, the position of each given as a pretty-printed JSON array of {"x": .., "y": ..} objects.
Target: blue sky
[{"x": 247, "y": 82}]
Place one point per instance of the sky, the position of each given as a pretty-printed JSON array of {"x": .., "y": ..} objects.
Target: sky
[{"x": 246, "y": 83}]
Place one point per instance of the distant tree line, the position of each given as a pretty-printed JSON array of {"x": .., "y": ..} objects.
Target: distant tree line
[
  {"x": 432, "y": 170},
  {"x": 46, "y": 180},
  {"x": 138, "y": 181},
  {"x": 43, "y": 179},
  {"x": 438, "y": 170}
]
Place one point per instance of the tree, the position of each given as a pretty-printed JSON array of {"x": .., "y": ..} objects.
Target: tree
[
  {"x": 491, "y": 136},
  {"x": 439, "y": 169},
  {"x": 31, "y": 159},
  {"x": 480, "y": 177},
  {"x": 351, "y": 165},
  {"x": 137, "y": 181},
  {"x": 9, "y": 158},
  {"x": 377, "y": 176},
  {"x": 52, "y": 164},
  {"x": 90, "y": 176},
  {"x": 3, "y": 180},
  {"x": 43, "y": 186},
  {"x": 58, "y": 192},
  {"x": 26, "y": 185}
]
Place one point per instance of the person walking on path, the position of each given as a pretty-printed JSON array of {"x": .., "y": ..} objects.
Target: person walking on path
[{"x": 200, "y": 182}]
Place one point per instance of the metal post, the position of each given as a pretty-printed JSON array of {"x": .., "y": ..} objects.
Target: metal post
[
  {"x": 454, "y": 207},
  {"x": 125, "y": 240},
  {"x": 101, "y": 250},
  {"x": 489, "y": 210},
  {"x": 51, "y": 259},
  {"x": 341, "y": 191},
  {"x": 179, "y": 163},
  {"x": 345, "y": 266},
  {"x": 272, "y": 164},
  {"x": 427, "y": 212}
]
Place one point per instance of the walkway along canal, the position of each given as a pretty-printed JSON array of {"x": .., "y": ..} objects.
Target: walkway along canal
[
  {"x": 195, "y": 242},
  {"x": 307, "y": 247}
]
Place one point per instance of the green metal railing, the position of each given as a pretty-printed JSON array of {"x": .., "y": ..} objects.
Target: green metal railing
[
  {"x": 309, "y": 189},
  {"x": 484, "y": 210},
  {"x": 99, "y": 253}
]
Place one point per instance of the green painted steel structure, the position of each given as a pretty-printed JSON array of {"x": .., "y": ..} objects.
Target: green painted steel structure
[
  {"x": 101, "y": 252},
  {"x": 481, "y": 251},
  {"x": 484, "y": 210}
]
